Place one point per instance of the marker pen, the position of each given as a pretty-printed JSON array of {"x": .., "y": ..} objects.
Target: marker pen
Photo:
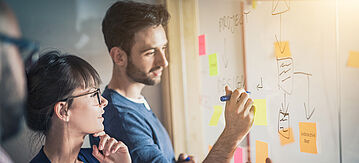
[{"x": 226, "y": 98}]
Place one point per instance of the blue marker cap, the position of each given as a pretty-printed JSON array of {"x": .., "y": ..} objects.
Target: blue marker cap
[
  {"x": 187, "y": 159},
  {"x": 226, "y": 98}
]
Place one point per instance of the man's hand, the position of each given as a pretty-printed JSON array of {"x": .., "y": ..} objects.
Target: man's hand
[
  {"x": 239, "y": 113},
  {"x": 113, "y": 150},
  {"x": 184, "y": 158}
]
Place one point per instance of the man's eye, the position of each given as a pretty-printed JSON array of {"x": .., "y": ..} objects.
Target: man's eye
[{"x": 151, "y": 53}]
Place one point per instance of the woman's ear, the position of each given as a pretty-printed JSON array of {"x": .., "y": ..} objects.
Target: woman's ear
[
  {"x": 61, "y": 111},
  {"x": 119, "y": 57}
]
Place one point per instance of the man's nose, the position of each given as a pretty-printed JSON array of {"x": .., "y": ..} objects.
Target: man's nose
[{"x": 161, "y": 59}]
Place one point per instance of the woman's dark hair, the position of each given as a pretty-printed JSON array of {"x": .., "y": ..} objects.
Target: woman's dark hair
[
  {"x": 124, "y": 18},
  {"x": 52, "y": 78}
]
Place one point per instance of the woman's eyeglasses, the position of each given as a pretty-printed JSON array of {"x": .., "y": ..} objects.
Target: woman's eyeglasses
[{"x": 97, "y": 93}]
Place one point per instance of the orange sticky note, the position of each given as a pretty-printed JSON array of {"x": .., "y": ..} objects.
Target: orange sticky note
[
  {"x": 282, "y": 50},
  {"x": 216, "y": 115},
  {"x": 213, "y": 64},
  {"x": 209, "y": 148},
  {"x": 308, "y": 137},
  {"x": 261, "y": 151},
  {"x": 286, "y": 136},
  {"x": 353, "y": 60}
]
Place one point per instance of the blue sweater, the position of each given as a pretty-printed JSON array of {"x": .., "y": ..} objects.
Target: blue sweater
[
  {"x": 85, "y": 155},
  {"x": 137, "y": 127}
]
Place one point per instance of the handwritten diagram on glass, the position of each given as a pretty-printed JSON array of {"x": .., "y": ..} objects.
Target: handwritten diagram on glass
[{"x": 280, "y": 6}]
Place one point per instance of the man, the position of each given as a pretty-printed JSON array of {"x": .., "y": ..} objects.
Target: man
[
  {"x": 12, "y": 77},
  {"x": 136, "y": 40}
]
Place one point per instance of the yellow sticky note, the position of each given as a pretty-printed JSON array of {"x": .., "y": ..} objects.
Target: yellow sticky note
[
  {"x": 260, "y": 117},
  {"x": 353, "y": 60},
  {"x": 261, "y": 151},
  {"x": 286, "y": 136},
  {"x": 308, "y": 137},
  {"x": 215, "y": 116},
  {"x": 282, "y": 50},
  {"x": 254, "y": 3},
  {"x": 213, "y": 64}
]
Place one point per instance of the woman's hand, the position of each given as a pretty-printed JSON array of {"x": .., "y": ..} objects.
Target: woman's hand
[{"x": 113, "y": 150}]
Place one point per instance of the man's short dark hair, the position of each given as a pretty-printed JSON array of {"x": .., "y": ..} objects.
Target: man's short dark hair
[{"x": 124, "y": 18}]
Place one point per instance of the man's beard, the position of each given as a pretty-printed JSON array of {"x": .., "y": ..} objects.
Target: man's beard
[{"x": 139, "y": 76}]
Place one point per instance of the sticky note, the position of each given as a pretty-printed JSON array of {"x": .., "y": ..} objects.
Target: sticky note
[
  {"x": 282, "y": 50},
  {"x": 254, "y": 3},
  {"x": 238, "y": 155},
  {"x": 202, "y": 44},
  {"x": 261, "y": 112},
  {"x": 286, "y": 136},
  {"x": 353, "y": 60},
  {"x": 213, "y": 64},
  {"x": 216, "y": 115},
  {"x": 261, "y": 151},
  {"x": 209, "y": 148},
  {"x": 308, "y": 137}
]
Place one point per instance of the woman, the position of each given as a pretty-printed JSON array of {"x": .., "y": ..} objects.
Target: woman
[{"x": 65, "y": 104}]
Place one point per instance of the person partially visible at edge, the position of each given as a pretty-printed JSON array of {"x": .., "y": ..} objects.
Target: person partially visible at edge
[
  {"x": 136, "y": 40},
  {"x": 65, "y": 104},
  {"x": 12, "y": 79}
]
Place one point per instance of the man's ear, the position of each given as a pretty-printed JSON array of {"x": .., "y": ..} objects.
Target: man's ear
[
  {"x": 61, "y": 111},
  {"x": 119, "y": 56}
]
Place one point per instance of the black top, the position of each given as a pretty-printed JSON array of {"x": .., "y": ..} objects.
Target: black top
[{"x": 85, "y": 155}]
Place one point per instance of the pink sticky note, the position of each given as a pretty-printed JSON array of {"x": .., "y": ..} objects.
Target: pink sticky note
[
  {"x": 238, "y": 155},
  {"x": 202, "y": 45}
]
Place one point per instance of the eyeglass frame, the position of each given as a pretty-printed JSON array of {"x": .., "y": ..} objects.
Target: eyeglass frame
[
  {"x": 97, "y": 91},
  {"x": 22, "y": 44}
]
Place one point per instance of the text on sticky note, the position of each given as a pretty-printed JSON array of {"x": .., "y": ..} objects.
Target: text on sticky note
[
  {"x": 213, "y": 64},
  {"x": 353, "y": 60},
  {"x": 261, "y": 151},
  {"x": 308, "y": 137},
  {"x": 282, "y": 50},
  {"x": 260, "y": 118},
  {"x": 202, "y": 44},
  {"x": 216, "y": 115}
]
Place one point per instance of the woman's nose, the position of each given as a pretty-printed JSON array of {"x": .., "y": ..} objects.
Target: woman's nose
[{"x": 104, "y": 102}]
